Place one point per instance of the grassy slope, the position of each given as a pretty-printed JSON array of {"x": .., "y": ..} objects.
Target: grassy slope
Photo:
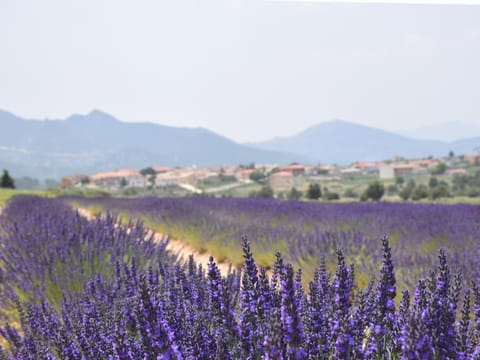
[{"x": 6, "y": 194}]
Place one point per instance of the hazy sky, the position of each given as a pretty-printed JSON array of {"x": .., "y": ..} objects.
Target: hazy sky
[{"x": 249, "y": 70}]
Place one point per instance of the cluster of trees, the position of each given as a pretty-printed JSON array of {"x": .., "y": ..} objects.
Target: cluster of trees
[
  {"x": 409, "y": 190},
  {"x": 6, "y": 181},
  {"x": 466, "y": 185},
  {"x": 314, "y": 192},
  {"x": 436, "y": 189}
]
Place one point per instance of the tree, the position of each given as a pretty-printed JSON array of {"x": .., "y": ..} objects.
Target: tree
[
  {"x": 439, "y": 192},
  {"x": 257, "y": 176},
  {"x": 375, "y": 191},
  {"x": 439, "y": 169},
  {"x": 392, "y": 189},
  {"x": 148, "y": 171},
  {"x": 420, "y": 192},
  {"x": 331, "y": 196},
  {"x": 265, "y": 192},
  {"x": 433, "y": 182},
  {"x": 407, "y": 190},
  {"x": 294, "y": 194},
  {"x": 6, "y": 180},
  {"x": 399, "y": 180},
  {"x": 350, "y": 193},
  {"x": 123, "y": 182},
  {"x": 405, "y": 193},
  {"x": 314, "y": 192}
]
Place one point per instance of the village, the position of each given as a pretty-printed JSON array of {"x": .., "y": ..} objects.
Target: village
[{"x": 228, "y": 180}]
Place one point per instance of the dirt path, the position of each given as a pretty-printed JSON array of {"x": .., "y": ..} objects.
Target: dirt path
[{"x": 178, "y": 247}]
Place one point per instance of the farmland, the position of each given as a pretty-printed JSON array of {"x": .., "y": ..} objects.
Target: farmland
[
  {"x": 103, "y": 288},
  {"x": 307, "y": 232}
]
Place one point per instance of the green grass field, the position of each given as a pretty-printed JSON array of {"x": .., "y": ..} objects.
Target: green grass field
[{"x": 6, "y": 194}]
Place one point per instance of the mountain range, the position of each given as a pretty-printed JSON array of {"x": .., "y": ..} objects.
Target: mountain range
[
  {"x": 344, "y": 142},
  {"x": 98, "y": 142},
  {"x": 448, "y": 131}
]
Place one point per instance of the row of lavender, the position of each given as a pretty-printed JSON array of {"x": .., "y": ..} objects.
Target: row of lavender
[
  {"x": 307, "y": 232},
  {"x": 47, "y": 248},
  {"x": 154, "y": 308}
]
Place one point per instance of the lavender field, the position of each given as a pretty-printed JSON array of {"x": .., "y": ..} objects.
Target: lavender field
[
  {"x": 72, "y": 288},
  {"x": 305, "y": 233}
]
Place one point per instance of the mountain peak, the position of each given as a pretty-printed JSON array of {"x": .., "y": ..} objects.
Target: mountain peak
[
  {"x": 100, "y": 115},
  {"x": 94, "y": 116}
]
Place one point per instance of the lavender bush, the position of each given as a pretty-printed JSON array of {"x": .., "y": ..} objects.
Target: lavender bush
[{"x": 46, "y": 248}]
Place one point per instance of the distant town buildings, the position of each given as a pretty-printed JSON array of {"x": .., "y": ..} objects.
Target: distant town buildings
[
  {"x": 277, "y": 176},
  {"x": 294, "y": 169},
  {"x": 283, "y": 179}
]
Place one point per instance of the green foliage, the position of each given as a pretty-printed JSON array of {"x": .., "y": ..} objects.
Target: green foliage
[
  {"x": 406, "y": 192},
  {"x": 257, "y": 176},
  {"x": 274, "y": 170},
  {"x": 123, "y": 182},
  {"x": 473, "y": 192},
  {"x": 433, "y": 182},
  {"x": 350, "y": 193},
  {"x": 250, "y": 166},
  {"x": 440, "y": 191},
  {"x": 375, "y": 191},
  {"x": 314, "y": 192},
  {"x": 6, "y": 181},
  {"x": 420, "y": 192},
  {"x": 466, "y": 184},
  {"x": 294, "y": 194},
  {"x": 328, "y": 195},
  {"x": 392, "y": 189},
  {"x": 147, "y": 171},
  {"x": 265, "y": 192},
  {"x": 227, "y": 178},
  {"x": 439, "y": 169},
  {"x": 399, "y": 180}
]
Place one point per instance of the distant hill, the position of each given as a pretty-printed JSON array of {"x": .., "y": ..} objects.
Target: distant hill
[
  {"x": 344, "y": 142},
  {"x": 449, "y": 131},
  {"x": 97, "y": 142}
]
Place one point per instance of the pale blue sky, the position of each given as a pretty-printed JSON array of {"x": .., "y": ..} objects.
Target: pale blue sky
[{"x": 249, "y": 70}]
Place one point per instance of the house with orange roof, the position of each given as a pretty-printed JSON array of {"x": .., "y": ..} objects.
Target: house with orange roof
[
  {"x": 294, "y": 169},
  {"x": 243, "y": 174},
  {"x": 471, "y": 158},
  {"x": 456, "y": 171},
  {"x": 73, "y": 180},
  {"x": 284, "y": 179},
  {"x": 113, "y": 179},
  {"x": 364, "y": 165},
  {"x": 395, "y": 170}
]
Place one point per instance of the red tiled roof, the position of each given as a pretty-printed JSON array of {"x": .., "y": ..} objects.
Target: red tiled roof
[
  {"x": 293, "y": 167},
  {"x": 281, "y": 174}
]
